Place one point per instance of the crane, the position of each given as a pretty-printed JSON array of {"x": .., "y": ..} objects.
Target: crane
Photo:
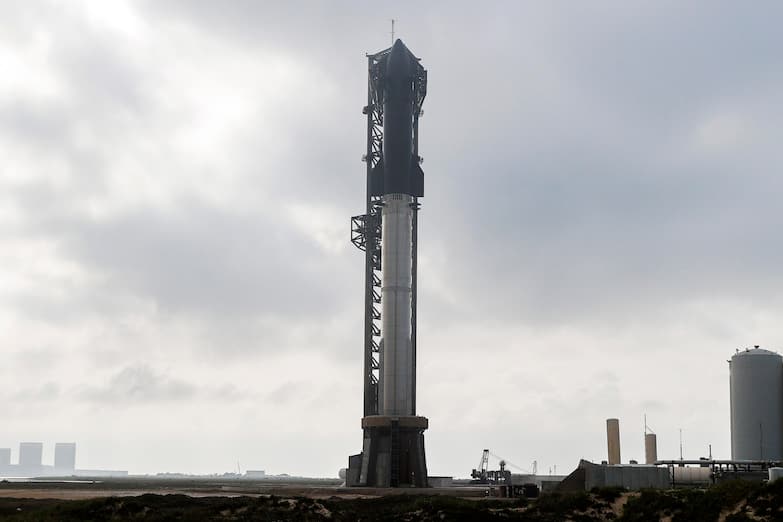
[
  {"x": 503, "y": 477},
  {"x": 480, "y": 473}
]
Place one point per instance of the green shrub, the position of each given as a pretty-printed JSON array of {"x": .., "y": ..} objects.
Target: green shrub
[
  {"x": 649, "y": 505},
  {"x": 608, "y": 494}
]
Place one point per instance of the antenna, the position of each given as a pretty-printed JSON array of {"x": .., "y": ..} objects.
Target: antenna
[
  {"x": 680, "y": 443},
  {"x": 392, "y": 31}
]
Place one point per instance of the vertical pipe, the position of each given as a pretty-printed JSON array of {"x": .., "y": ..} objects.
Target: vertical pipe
[
  {"x": 414, "y": 294},
  {"x": 613, "y": 440}
]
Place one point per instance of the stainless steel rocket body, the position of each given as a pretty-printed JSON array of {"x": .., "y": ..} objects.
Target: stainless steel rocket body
[{"x": 396, "y": 393}]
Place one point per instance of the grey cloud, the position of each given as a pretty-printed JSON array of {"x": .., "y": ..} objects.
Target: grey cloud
[
  {"x": 208, "y": 260},
  {"x": 28, "y": 122},
  {"x": 46, "y": 392},
  {"x": 228, "y": 275},
  {"x": 288, "y": 392},
  {"x": 229, "y": 392},
  {"x": 564, "y": 185},
  {"x": 139, "y": 384},
  {"x": 143, "y": 384}
]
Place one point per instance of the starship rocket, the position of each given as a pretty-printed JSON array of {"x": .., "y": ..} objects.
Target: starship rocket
[
  {"x": 398, "y": 179},
  {"x": 393, "y": 448}
]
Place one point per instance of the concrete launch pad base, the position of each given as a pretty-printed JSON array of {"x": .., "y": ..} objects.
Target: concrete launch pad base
[{"x": 392, "y": 453}]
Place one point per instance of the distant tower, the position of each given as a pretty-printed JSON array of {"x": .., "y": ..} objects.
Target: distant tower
[
  {"x": 30, "y": 455},
  {"x": 613, "y": 440},
  {"x": 650, "y": 444},
  {"x": 650, "y": 448},
  {"x": 393, "y": 443},
  {"x": 65, "y": 456},
  {"x": 5, "y": 457}
]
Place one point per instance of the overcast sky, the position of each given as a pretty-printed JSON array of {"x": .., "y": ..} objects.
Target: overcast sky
[{"x": 178, "y": 292}]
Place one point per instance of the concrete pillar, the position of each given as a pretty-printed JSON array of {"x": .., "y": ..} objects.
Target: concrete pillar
[
  {"x": 650, "y": 448},
  {"x": 613, "y": 440}
]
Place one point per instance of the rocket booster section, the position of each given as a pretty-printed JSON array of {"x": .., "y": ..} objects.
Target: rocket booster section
[
  {"x": 399, "y": 172},
  {"x": 397, "y": 364}
]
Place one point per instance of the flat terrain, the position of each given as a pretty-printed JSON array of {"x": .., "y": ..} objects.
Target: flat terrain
[
  {"x": 134, "y": 486},
  {"x": 215, "y": 500}
]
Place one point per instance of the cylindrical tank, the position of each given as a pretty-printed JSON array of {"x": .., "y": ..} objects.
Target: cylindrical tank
[
  {"x": 756, "y": 393},
  {"x": 775, "y": 474},
  {"x": 691, "y": 475},
  {"x": 613, "y": 440},
  {"x": 650, "y": 448}
]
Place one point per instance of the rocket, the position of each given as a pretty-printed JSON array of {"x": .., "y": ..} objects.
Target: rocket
[
  {"x": 398, "y": 179},
  {"x": 393, "y": 434},
  {"x": 399, "y": 172}
]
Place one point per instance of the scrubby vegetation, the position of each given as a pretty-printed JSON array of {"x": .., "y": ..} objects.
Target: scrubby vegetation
[
  {"x": 733, "y": 501},
  {"x": 183, "y": 508},
  {"x": 737, "y": 501}
]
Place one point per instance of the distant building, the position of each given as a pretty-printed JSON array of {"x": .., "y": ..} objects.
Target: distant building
[
  {"x": 255, "y": 473},
  {"x": 629, "y": 476},
  {"x": 30, "y": 455},
  {"x": 31, "y": 465},
  {"x": 65, "y": 456},
  {"x": 5, "y": 457}
]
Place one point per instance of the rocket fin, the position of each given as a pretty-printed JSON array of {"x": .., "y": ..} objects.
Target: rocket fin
[
  {"x": 376, "y": 179},
  {"x": 417, "y": 178}
]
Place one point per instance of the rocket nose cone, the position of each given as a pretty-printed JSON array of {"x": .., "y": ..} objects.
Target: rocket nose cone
[{"x": 399, "y": 59}]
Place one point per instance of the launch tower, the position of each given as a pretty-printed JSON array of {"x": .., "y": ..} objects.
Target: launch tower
[{"x": 393, "y": 447}]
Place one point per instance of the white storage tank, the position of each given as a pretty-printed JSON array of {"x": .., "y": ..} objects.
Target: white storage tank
[
  {"x": 775, "y": 474},
  {"x": 756, "y": 393}
]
